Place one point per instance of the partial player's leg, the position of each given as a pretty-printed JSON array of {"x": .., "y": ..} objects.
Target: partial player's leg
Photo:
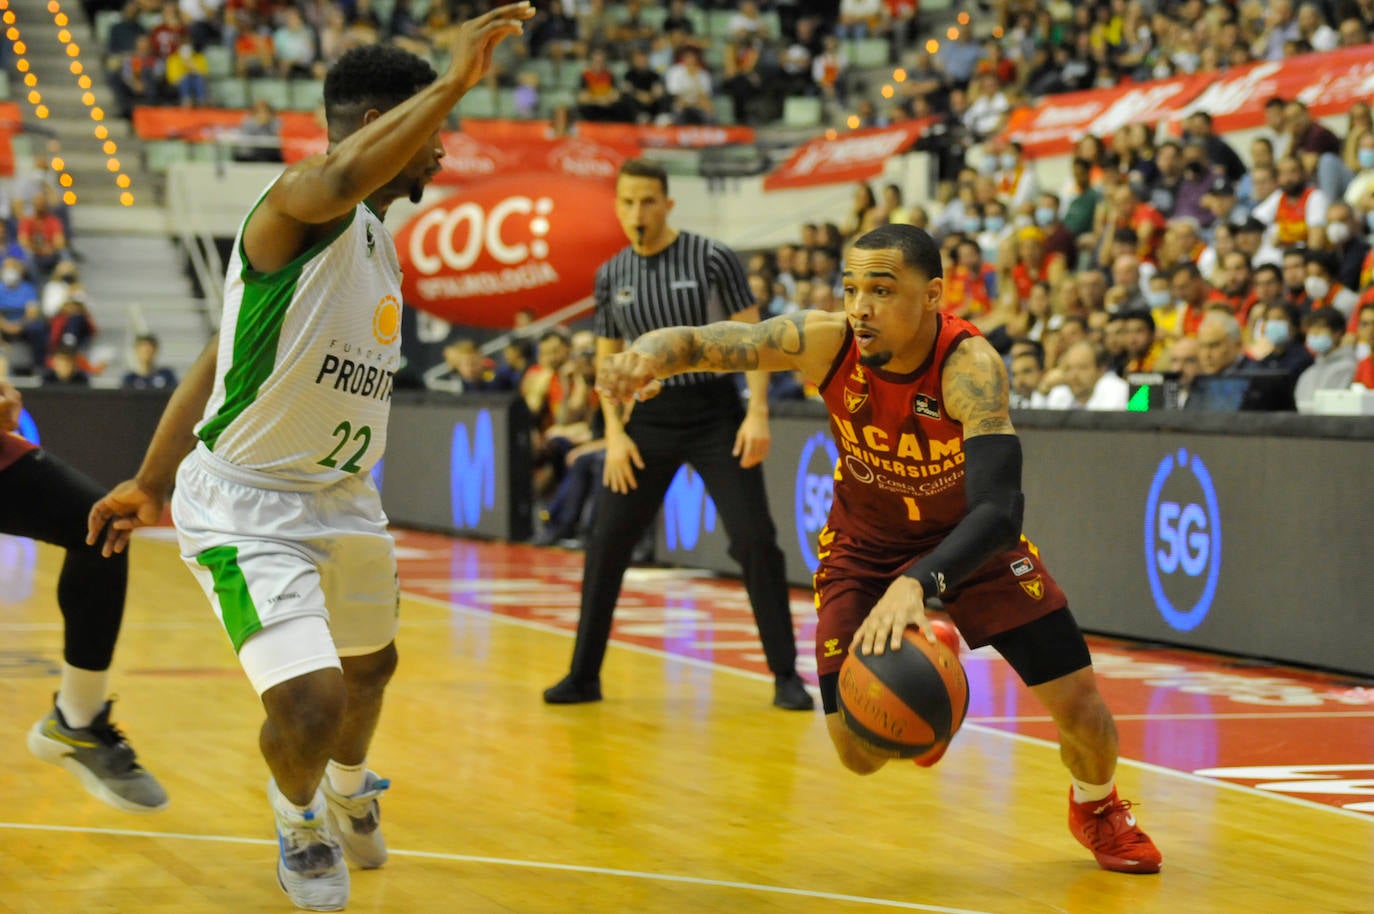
[
  {"x": 621, "y": 520},
  {"x": 351, "y": 789},
  {"x": 294, "y": 667},
  {"x": 1051, "y": 657},
  {"x": 841, "y": 607},
  {"x": 742, "y": 503},
  {"x": 363, "y": 594},
  {"x": 43, "y": 498},
  {"x": 267, "y": 593}
]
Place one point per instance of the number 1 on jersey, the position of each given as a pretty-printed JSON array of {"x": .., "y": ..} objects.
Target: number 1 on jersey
[
  {"x": 345, "y": 432},
  {"x": 913, "y": 511}
]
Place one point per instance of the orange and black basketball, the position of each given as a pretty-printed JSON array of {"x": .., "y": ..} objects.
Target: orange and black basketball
[{"x": 908, "y": 701}]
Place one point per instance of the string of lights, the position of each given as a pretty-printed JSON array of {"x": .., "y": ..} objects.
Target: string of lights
[
  {"x": 97, "y": 114},
  {"x": 35, "y": 97}
]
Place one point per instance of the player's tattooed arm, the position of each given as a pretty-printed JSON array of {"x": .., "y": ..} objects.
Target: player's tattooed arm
[
  {"x": 772, "y": 345},
  {"x": 804, "y": 341},
  {"x": 976, "y": 389}
]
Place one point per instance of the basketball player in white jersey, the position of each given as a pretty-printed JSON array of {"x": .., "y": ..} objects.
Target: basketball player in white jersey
[{"x": 275, "y": 510}]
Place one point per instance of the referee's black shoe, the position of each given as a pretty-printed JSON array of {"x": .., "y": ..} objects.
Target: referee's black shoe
[
  {"x": 789, "y": 693},
  {"x": 569, "y": 691}
]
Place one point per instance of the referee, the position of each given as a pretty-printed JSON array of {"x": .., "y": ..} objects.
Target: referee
[{"x": 668, "y": 278}]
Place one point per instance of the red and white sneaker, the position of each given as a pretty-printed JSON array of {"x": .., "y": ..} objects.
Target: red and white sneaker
[{"x": 1108, "y": 829}]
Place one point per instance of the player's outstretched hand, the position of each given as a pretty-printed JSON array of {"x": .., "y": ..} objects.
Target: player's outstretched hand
[
  {"x": 11, "y": 404},
  {"x": 902, "y": 604},
  {"x": 625, "y": 377},
  {"x": 126, "y": 507},
  {"x": 476, "y": 38}
]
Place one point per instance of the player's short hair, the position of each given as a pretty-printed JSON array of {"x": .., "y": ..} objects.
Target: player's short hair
[
  {"x": 379, "y": 76},
  {"x": 919, "y": 250},
  {"x": 645, "y": 168}
]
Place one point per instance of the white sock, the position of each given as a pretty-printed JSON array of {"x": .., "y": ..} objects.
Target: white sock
[
  {"x": 82, "y": 694},
  {"x": 346, "y": 779},
  {"x": 1083, "y": 792},
  {"x": 280, "y": 801}
]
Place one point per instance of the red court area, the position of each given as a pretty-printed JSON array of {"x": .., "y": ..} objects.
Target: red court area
[{"x": 1302, "y": 734}]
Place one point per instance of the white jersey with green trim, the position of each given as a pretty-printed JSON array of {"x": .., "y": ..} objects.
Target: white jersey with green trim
[{"x": 306, "y": 358}]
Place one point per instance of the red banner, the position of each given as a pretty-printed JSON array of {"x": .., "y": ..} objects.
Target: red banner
[
  {"x": 666, "y": 137},
  {"x": 1058, "y": 121},
  {"x": 529, "y": 240},
  {"x": 196, "y": 124},
  {"x": 854, "y": 156},
  {"x": 1327, "y": 83}
]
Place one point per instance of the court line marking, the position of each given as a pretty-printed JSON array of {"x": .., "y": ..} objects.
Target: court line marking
[
  {"x": 1239, "y": 715},
  {"x": 524, "y": 864},
  {"x": 981, "y": 728}
]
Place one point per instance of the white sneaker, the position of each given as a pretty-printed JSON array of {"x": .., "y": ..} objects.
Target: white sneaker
[
  {"x": 310, "y": 867},
  {"x": 356, "y": 821}
]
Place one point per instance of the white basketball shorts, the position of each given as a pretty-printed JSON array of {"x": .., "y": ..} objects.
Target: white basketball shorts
[{"x": 265, "y": 556}]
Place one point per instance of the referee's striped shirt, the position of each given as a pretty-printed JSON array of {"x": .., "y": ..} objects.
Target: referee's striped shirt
[{"x": 693, "y": 281}]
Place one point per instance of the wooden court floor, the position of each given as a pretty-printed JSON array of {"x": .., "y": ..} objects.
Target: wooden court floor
[{"x": 684, "y": 791}]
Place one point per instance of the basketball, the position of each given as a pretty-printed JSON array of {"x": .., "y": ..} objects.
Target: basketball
[{"x": 909, "y": 701}]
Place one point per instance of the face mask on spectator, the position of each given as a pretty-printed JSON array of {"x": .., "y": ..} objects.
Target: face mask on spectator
[
  {"x": 1044, "y": 215},
  {"x": 1316, "y": 286},
  {"x": 994, "y": 223},
  {"x": 973, "y": 225},
  {"x": 1008, "y": 161},
  {"x": 1321, "y": 344},
  {"x": 989, "y": 165},
  {"x": 1338, "y": 233},
  {"x": 1366, "y": 157},
  {"x": 10, "y": 276},
  {"x": 1362, "y": 351},
  {"x": 1157, "y": 298},
  {"x": 1369, "y": 221},
  {"x": 1276, "y": 332}
]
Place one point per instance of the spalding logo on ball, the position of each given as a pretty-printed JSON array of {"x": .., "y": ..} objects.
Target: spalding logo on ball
[
  {"x": 909, "y": 702},
  {"x": 532, "y": 241}
]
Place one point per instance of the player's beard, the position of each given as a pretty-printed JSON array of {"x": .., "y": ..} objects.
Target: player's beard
[
  {"x": 875, "y": 359},
  {"x": 417, "y": 191}
]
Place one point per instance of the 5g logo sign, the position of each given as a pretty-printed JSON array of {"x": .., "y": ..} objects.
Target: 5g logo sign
[
  {"x": 1182, "y": 540},
  {"x": 815, "y": 488}
]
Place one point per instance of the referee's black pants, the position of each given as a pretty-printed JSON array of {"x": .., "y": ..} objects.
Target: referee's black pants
[
  {"x": 695, "y": 425},
  {"x": 44, "y": 499}
]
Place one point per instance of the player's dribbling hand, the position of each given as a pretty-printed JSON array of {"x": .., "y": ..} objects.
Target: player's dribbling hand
[
  {"x": 476, "y": 38},
  {"x": 11, "y": 404},
  {"x": 126, "y": 507},
  {"x": 902, "y": 604}
]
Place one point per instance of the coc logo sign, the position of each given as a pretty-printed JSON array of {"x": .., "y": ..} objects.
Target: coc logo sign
[
  {"x": 815, "y": 491},
  {"x": 506, "y": 243},
  {"x": 1182, "y": 540}
]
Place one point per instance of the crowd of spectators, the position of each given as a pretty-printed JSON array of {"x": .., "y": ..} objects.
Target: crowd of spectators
[
  {"x": 46, "y": 329},
  {"x": 637, "y": 61},
  {"x": 1157, "y": 255}
]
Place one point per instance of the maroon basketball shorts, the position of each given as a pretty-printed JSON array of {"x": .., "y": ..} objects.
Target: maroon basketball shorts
[{"x": 1010, "y": 590}]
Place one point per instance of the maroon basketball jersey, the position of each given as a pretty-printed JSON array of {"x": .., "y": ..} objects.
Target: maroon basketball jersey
[{"x": 899, "y": 482}]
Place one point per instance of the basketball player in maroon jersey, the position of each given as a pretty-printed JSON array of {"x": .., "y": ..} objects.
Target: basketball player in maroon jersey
[{"x": 927, "y": 502}]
